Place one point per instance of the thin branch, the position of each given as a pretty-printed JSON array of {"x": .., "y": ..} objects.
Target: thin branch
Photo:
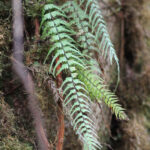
[
  {"x": 37, "y": 29},
  {"x": 23, "y": 74},
  {"x": 61, "y": 129}
]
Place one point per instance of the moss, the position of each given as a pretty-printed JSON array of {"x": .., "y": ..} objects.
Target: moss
[
  {"x": 146, "y": 113},
  {"x": 135, "y": 134},
  {"x": 9, "y": 139},
  {"x": 12, "y": 143},
  {"x": 48, "y": 104},
  {"x": 7, "y": 125},
  {"x": 148, "y": 42}
]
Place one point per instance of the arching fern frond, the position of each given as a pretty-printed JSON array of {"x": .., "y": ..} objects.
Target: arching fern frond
[
  {"x": 75, "y": 95},
  {"x": 85, "y": 39},
  {"x": 95, "y": 84},
  {"x": 98, "y": 90},
  {"x": 98, "y": 25},
  {"x": 77, "y": 32}
]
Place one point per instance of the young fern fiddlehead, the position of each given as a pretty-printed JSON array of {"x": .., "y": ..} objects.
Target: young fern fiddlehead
[{"x": 70, "y": 58}]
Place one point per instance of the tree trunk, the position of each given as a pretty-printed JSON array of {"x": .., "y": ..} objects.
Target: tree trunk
[{"x": 128, "y": 24}]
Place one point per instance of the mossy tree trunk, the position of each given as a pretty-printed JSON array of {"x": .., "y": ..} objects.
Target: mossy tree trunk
[{"x": 128, "y": 24}]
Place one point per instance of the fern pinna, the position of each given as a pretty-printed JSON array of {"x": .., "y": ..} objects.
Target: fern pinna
[{"x": 75, "y": 34}]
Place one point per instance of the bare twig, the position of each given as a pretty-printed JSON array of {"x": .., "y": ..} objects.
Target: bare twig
[
  {"x": 23, "y": 74},
  {"x": 61, "y": 129},
  {"x": 37, "y": 29}
]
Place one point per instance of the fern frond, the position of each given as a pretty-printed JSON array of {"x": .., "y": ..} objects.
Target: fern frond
[
  {"x": 101, "y": 92},
  {"x": 76, "y": 95},
  {"x": 74, "y": 92},
  {"x": 99, "y": 28},
  {"x": 98, "y": 90},
  {"x": 86, "y": 39},
  {"x": 94, "y": 83}
]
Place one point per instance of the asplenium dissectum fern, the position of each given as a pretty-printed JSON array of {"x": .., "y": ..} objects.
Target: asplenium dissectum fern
[
  {"x": 85, "y": 38},
  {"x": 81, "y": 71},
  {"x": 99, "y": 28},
  {"x": 98, "y": 25},
  {"x": 70, "y": 58},
  {"x": 99, "y": 91},
  {"x": 94, "y": 83}
]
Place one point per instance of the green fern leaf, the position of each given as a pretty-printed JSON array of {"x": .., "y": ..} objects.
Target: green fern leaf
[
  {"x": 75, "y": 95},
  {"x": 99, "y": 28},
  {"x": 86, "y": 39},
  {"x": 98, "y": 90}
]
